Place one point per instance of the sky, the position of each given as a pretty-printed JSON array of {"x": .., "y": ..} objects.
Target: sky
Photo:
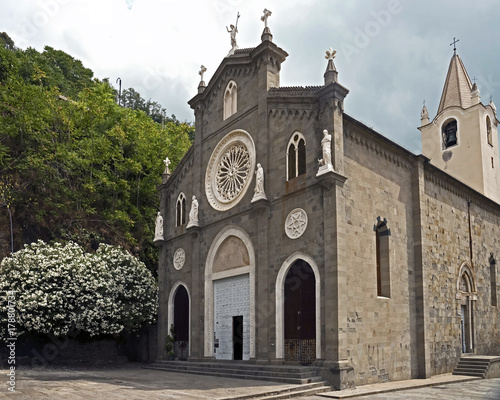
[{"x": 391, "y": 54}]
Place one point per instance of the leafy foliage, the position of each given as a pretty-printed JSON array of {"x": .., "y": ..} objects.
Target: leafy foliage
[
  {"x": 6, "y": 41},
  {"x": 59, "y": 288},
  {"x": 130, "y": 98},
  {"x": 82, "y": 168}
]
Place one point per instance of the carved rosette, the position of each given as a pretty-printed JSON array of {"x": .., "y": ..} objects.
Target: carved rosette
[
  {"x": 230, "y": 170},
  {"x": 296, "y": 223},
  {"x": 179, "y": 258}
]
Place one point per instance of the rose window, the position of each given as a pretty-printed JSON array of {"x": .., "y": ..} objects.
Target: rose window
[
  {"x": 233, "y": 172},
  {"x": 230, "y": 170}
]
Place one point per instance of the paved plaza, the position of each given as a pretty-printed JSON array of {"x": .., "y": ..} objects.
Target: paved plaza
[{"x": 132, "y": 383}]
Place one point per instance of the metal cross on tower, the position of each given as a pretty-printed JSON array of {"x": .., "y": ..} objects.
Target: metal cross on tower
[{"x": 454, "y": 45}]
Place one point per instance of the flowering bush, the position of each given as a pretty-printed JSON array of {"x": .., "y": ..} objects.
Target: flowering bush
[{"x": 60, "y": 288}]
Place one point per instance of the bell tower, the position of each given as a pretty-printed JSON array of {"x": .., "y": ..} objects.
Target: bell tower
[{"x": 462, "y": 138}]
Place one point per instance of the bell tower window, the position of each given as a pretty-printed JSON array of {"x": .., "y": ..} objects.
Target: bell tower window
[
  {"x": 488, "y": 131},
  {"x": 230, "y": 99},
  {"x": 449, "y": 132}
]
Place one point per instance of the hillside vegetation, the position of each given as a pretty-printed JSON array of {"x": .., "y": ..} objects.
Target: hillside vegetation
[{"x": 75, "y": 165}]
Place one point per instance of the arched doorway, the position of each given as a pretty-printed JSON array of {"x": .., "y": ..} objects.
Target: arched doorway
[
  {"x": 230, "y": 297},
  {"x": 179, "y": 315},
  {"x": 300, "y": 313},
  {"x": 181, "y": 323},
  {"x": 301, "y": 273},
  {"x": 466, "y": 295}
]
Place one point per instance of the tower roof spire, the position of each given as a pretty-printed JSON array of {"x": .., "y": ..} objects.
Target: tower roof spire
[{"x": 457, "y": 87}]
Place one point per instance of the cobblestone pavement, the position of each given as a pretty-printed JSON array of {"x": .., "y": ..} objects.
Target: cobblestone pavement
[
  {"x": 482, "y": 389},
  {"x": 126, "y": 383},
  {"x": 136, "y": 383}
]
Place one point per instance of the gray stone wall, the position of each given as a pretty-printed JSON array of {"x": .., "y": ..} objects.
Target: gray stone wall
[
  {"x": 378, "y": 328},
  {"x": 447, "y": 248}
]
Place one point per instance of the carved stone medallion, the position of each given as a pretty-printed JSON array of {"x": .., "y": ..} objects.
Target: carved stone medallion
[
  {"x": 230, "y": 170},
  {"x": 179, "y": 258},
  {"x": 296, "y": 223}
]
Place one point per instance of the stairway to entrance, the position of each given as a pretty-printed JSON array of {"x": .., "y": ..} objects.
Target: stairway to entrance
[
  {"x": 306, "y": 380},
  {"x": 473, "y": 366}
]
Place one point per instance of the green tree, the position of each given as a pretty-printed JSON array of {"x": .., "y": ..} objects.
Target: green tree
[
  {"x": 82, "y": 168},
  {"x": 130, "y": 98},
  {"x": 6, "y": 41}
]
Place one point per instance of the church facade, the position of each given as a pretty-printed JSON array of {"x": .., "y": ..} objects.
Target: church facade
[{"x": 293, "y": 233}]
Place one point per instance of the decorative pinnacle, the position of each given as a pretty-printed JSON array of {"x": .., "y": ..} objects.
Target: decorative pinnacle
[
  {"x": 330, "y": 54},
  {"x": 267, "y": 14}
]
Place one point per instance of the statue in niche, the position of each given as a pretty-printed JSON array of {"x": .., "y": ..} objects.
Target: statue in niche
[
  {"x": 259, "y": 192},
  {"x": 159, "y": 227},
  {"x": 193, "y": 213},
  {"x": 326, "y": 146}
]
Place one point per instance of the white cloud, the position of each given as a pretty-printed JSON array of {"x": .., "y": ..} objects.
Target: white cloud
[{"x": 391, "y": 54}]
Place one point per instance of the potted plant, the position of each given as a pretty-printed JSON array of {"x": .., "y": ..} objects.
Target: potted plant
[{"x": 169, "y": 343}]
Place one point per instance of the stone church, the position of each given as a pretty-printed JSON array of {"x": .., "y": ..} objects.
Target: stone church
[{"x": 293, "y": 233}]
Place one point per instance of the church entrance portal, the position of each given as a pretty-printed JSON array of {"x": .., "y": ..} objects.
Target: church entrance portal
[
  {"x": 300, "y": 313},
  {"x": 231, "y": 318},
  {"x": 181, "y": 323}
]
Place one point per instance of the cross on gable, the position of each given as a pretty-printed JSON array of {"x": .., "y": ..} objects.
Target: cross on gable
[
  {"x": 266, "y": 15},
  {"x": 202, "y": 71},
  {"x": 330, "y": 54}
]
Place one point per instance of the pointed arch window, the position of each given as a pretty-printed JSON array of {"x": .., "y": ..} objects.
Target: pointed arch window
[
  {"x": 382, "y": 234},
  {"x": 489, "y": 135},
  {"x": 296, "y": 156},
  {"x": 230, "y": 99},
  {"x": 180, "y": 210},
  {"x": 493, "y": 281}
]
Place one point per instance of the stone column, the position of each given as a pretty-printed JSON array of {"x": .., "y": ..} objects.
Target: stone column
[
  {"x": 264, "y": 304},
  {"x": 164, "y": 281},
  {"x": 421, "y": 367},
  {"x": 197, "y": 295},
  {"x": 196, "y": 236}
]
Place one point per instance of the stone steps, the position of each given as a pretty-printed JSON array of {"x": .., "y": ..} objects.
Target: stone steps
[
  {"x": 471, "y": 366},
  {"x": 307, "y": 389},
  {"x": 284, "y": 374}
]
